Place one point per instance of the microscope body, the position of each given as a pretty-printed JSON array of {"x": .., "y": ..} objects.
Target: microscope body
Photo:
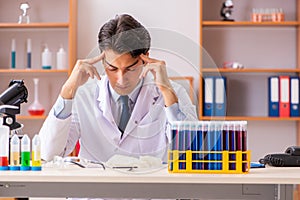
[{"x": 10, "y": 101}]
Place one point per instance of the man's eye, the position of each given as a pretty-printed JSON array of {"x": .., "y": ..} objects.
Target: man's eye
[
  {"x": 131, "y": 69},
  {"x": 112, "y": 68}
]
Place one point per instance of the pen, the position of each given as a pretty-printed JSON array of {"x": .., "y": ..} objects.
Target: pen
[{"x": 126, "y": 167}]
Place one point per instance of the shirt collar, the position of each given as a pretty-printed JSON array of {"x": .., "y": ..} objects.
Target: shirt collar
[{"x": 132, "y": 96}]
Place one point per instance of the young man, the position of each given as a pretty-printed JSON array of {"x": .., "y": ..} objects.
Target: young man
[{"x": 127, "y": 111}]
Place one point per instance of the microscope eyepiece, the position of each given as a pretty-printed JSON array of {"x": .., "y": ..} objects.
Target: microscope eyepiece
[{"x": 15, "y": 94}]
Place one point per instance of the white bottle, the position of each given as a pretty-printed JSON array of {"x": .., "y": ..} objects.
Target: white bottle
[
  {"x": 4, "y": 146},
  {"x": 46, "y": 58},
  {"x": 61, "y": 60}
]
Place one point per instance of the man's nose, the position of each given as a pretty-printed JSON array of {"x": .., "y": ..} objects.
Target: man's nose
[{"x": 122, "y": 77}]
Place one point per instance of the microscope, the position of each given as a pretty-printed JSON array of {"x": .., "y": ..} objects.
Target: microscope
[
  {"x": 226, "y": 10},
  {"x": 10, "y": 101}
]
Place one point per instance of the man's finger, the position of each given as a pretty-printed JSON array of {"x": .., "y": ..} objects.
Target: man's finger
[
  {"x": 97, "y": 74},
  {"x": 96, "y": 59},
  {"x": 148, "y": 59}
]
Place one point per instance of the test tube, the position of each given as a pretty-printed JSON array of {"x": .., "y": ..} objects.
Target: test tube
[
  {"x": 28, "y": 53},
  {"x": 25, "y": 153},
  {"x": 13, "y": 53},
  {"x": 14, "y": 153},
  {"x": 244, "y": 145},
  {"x": 36, "y": 153}
]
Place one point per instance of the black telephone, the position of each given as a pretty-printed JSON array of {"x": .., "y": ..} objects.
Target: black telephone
[{"x": 291, "y": 158}]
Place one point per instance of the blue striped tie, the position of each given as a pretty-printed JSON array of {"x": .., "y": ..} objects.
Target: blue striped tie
[{"x": 125, "y": 115}]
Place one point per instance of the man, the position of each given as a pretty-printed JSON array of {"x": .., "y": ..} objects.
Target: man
[{"x": 91, "y": 108}]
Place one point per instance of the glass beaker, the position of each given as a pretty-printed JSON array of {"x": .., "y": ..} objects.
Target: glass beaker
[{"x": 36, "y": 108}]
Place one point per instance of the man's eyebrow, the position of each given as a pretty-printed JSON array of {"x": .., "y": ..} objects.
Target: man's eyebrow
[{"x": 125, "y": 67}]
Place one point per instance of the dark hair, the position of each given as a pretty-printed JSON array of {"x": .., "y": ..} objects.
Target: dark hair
[{"x": 124, "y": 34}]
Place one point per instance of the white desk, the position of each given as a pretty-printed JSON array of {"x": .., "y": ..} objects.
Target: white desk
[{"x": 269, "y": 183}]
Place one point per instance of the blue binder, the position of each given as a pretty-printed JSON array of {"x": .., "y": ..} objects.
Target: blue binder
[
  {"x": 208, "y": 96},
  {"x": 273, "y": 96},
  {"x": 220, "y": 96},
  {"x": 294, "y": 97}
]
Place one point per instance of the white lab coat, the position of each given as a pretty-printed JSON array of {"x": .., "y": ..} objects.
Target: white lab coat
[{"x": 93, "y": 125}]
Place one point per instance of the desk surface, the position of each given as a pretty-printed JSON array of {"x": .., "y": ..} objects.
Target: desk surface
[
  {"x": 96, "y": 182},
  {"x": 271, "y": 175}
]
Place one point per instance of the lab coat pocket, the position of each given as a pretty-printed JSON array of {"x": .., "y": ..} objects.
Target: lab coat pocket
[{"x": 150, "y": 130}]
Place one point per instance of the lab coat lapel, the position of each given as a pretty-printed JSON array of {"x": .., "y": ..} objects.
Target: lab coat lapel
[
  {"x": 105, "y": 117},
  {"x": 104, "y": 100}
]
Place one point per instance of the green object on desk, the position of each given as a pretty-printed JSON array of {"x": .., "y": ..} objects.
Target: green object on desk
[{"x": 25, "y": 159}]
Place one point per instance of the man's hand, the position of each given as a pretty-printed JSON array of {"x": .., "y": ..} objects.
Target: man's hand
[
  {"x": 159, "y": 71},
  {"x": 82, "y": 71}
]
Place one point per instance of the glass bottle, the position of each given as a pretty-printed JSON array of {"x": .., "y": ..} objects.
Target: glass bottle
[{"x": 36, "y": 108}]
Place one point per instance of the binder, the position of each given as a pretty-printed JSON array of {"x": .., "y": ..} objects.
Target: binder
[
  {"x": 294, "y": 97},
  {"x": 284, "y": 97},
  {"x": 273, "y": 96},
  {"x": 220, "y": 96},
  {"x": 208, "y": 96}
]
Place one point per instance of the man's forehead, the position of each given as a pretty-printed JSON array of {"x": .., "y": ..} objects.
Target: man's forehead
[{"x": 114, "y": 58}]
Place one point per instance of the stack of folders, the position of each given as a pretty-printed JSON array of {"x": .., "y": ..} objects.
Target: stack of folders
[
  {"x": 214, "y": 96},
  {"x": 283, "y": 96},
  {"x": 209, "y": 147}
]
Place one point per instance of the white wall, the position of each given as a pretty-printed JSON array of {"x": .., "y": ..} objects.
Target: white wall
[{"x": 174, "y": 25}]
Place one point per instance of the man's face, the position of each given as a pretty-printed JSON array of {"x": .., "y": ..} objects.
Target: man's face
[{"x": 123, "y": 71}]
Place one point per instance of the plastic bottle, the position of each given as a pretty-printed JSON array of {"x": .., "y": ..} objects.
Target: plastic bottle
[
  {"x": 61, "y": 60},
  {"x": 4, "y": 146},
  {"x": 25, "y": 153},
  {"x": 36, "y": 153},
  {"x": 46, "y": 58},
  {"x": 14, "y": 153}
]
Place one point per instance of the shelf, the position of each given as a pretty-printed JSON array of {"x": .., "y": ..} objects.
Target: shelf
[
  {"x": 28, "y": 117},
  {"x": 35, "y": 25},
  {"x": 33, "y": 71},
  {"x": 247, "y": 118},
  {"x": 249, "y": 23},
  {"x": 252, "y": 70},
  {"x": 58, "y": 27}
]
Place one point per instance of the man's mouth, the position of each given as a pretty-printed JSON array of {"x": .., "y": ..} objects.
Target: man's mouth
[{"x": 122, "y": 87}]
